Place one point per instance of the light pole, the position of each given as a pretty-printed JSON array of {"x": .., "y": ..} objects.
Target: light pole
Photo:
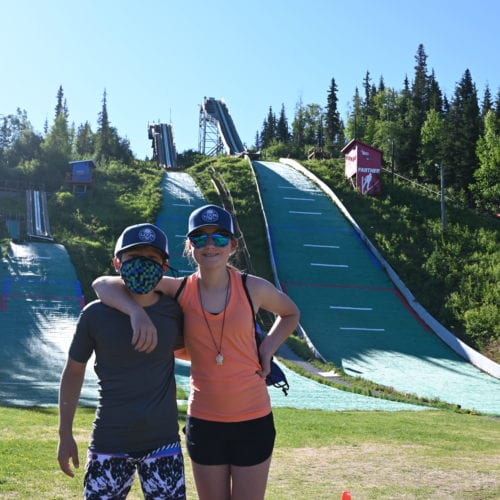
[
  {"x": 443, "y": 209},
  {"x": 392, "y": 159}
]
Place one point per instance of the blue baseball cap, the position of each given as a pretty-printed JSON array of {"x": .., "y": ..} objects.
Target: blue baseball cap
[
  {"x": 210, "y": 215},
  {"x": 142, "y": 234}
]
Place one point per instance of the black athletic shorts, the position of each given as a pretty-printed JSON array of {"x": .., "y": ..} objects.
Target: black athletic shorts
[{"x": 246, "y": 443}]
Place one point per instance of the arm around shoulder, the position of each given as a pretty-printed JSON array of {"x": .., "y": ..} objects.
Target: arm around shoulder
[{"x": 112, "y": 292}]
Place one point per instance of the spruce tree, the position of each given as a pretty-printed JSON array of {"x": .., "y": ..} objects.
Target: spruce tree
[
  {"x": 257, "y": 144},
  {"x": 368, "y": 102},
  {"x": 462, "y": 131},
  {"x": 355, "y": 127},
  {"x": 282, "y": 130},
  {"x": 333, "y": 128},
  {"x": 487, "y": 103},
  {"x": 420, "y": 85},
  {"x": 435, "y": 96},
  {"x": 104, "y": 143},
  {"x": 269, "y": 126},
  {"x": 60, "y": 102},
  {"x": 405, "y": 146}
]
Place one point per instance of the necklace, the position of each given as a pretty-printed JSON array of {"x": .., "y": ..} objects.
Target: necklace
[{"x": 219, "y": 358}]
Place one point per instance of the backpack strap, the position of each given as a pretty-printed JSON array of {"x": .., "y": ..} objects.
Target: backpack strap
[
  {"x": 276, "y": 377},
  {"x": 181, "y": 287},
  {"x": 257, "y": 338},
  {"x": 244, "y": 280}
]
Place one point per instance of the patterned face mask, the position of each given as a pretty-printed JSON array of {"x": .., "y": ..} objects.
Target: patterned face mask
[{"x": 141, "y": 275}]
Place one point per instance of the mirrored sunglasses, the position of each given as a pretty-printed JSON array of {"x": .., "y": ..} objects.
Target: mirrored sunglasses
[{"x": 201, "y": 240}]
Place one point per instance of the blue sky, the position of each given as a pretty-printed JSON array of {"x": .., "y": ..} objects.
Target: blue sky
[{"x": 157, "y": 60}]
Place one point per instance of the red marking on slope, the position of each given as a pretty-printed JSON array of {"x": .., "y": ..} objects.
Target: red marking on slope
[
  {"x": 394, "y": 290},
  {"x": 59, "y": 298}
]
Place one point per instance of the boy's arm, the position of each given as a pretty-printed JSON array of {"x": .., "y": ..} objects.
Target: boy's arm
[
  {"x": 69, "y": 394},
  {"x": 112, "y": 291}
]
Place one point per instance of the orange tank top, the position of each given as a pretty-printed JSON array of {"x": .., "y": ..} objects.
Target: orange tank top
[{"x": 231, "y": 392}]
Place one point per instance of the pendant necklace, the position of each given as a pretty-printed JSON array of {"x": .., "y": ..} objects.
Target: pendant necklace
[{"x": 219, "y": 358}]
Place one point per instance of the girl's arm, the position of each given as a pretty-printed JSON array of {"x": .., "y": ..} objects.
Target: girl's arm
[{"x": 266, "y": 296}]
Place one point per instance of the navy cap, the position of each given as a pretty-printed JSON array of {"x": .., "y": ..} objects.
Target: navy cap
[
  {"x": 210, "y": 215},
  {"x": 142, "y": 234}
]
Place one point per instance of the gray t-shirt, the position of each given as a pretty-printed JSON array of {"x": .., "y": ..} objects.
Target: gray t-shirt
[{"x": 137, "y": 408}]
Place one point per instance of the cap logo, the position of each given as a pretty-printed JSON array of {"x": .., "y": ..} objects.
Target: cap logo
[
  {"x": 147, "y": 234},
  {"x": 210, "y": 216}
]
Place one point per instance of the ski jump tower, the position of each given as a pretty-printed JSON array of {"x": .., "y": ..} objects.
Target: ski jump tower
[{"x": 217, "y": 132}]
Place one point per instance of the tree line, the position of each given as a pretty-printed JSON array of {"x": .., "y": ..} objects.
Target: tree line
[
  {"x": 34, "y": 158},
  {"x": 418, "y": 128}
]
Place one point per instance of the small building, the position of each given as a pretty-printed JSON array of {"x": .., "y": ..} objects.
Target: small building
[
  {"x": 80, "y": 177},
  {"x": 363, "y": 165}
]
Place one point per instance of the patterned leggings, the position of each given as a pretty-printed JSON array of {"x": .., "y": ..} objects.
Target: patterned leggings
[{"x": 110, "y": 476}]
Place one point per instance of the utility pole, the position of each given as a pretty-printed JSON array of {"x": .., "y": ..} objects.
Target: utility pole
[
  {"x": 443, "y": 209},
  {"x": 392, "y": 160}
]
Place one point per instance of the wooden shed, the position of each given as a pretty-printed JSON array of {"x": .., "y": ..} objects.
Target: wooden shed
[{"x": 363, "y": 165}]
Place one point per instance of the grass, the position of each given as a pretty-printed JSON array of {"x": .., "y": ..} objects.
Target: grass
[{"x": 318, "y": 454}]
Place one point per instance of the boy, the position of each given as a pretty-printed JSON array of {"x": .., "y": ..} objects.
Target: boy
[{"x": 135, "y": 426}]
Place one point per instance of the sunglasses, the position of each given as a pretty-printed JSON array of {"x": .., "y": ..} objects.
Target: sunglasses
[{"x": 201, "y": 240}]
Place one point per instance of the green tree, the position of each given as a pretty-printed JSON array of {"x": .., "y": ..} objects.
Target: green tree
[
  {"x": 298, "y": 124},
  {"x": 18, "y": 143},
  {"x": 370, "y": 91},
  {"x": 462, "y": 132},
  {"x": 84, "y": 141},
  {"x": 420, "y": 85},
  {"x": 486, "y": 187},
  {"x": 60, "y": 102},
  {"x": 313, "y": 125},
  {"x": 487, "y": 103},
  {"x": 355, "y": 128},
  {"x": 108, "y": 144},
  {"x": 56, "y": 153},
  {"x": 282, "y": 129},
  {"x": 334, "y": 134},
  {"x": 386, "y": 133},
  {"x": 268, "y": 134},
  {"x": 104, "y": 139},
  {"x": 432, "y": 135},
  {"x": 405, "y": 120},
  {"x": 257, "y": 144},
  {"x": 381, "y": 84},
  {"x": 435, "y": 94}
]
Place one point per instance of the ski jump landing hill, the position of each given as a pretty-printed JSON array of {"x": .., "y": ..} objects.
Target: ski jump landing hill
[{"x": 352, "y": 311}]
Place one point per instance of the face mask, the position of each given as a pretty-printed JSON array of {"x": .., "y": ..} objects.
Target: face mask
[{"x": 141, "y": 275}]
